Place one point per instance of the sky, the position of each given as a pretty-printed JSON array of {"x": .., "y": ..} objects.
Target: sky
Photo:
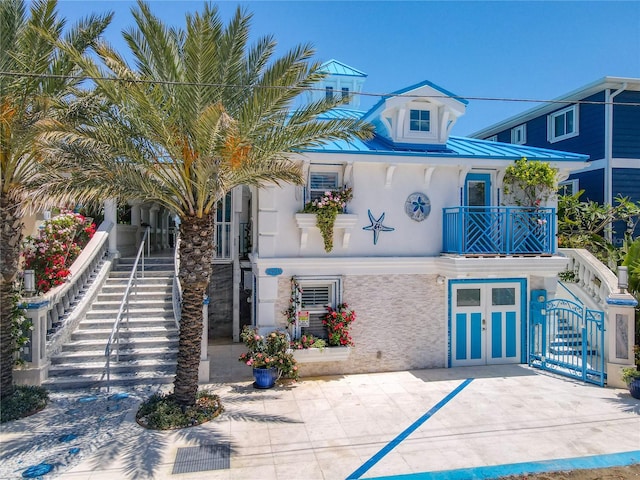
[{"x": 537, "y": 50}]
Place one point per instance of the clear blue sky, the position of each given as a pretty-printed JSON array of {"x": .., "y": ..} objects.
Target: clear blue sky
[{"x": 515, "y": 49}]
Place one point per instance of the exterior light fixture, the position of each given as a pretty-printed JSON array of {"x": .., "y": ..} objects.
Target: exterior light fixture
[
  {"x": 623, "y": 278},
  {"x": 29, "y": 280}
]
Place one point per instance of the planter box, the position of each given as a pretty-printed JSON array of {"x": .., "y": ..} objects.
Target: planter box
[
  {"x": 345, "y": 221},
  {"x": 327, "y": 354}
]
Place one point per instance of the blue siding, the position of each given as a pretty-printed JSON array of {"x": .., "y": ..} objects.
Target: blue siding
[
  {"x": 626, "y": 182},
  {"x": 590, "y": 140},
  {"x": 626, "y": 126},
  {"x": 592, "y": 183}
]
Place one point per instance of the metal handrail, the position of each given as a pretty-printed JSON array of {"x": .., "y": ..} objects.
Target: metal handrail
[
  {"x": 124, "y": 305},
  {"x": 176, "y": 290}
]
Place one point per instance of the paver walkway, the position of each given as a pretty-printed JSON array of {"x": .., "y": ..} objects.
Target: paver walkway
[{"x": 397, "y": 425}]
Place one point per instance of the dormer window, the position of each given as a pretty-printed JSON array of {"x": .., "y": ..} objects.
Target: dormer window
[
  {"x": 420, "y": 121},
  {"x": 328, "y": 93}
]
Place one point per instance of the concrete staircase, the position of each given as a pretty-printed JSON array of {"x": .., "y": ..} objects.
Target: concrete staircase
[{"x": 148, "y": 344}]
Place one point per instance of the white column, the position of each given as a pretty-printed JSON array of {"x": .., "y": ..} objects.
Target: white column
[
  {"x": 153, "y": 221},
  {"x": 36, "y": 367},
  {"x": 111, "y": 214},
  {"x": 620, "y": 336},
  {"x": 164, "y": 225}
]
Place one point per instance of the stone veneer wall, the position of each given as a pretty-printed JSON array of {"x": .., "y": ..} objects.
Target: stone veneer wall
[{"x": 400, "y": 324}]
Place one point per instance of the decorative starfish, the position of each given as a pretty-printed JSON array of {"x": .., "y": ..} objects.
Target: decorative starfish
[
  {"x": 376, "y": 226},
  {"x": 418, "y": 204}
]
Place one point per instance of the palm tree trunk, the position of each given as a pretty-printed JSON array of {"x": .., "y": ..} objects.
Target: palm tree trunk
[
  {"x": 196, "y": 254},
  {"x": 10, "y": 239}
]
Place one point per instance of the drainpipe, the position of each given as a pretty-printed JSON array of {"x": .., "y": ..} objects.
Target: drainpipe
[{"x": 608, "y": 170}]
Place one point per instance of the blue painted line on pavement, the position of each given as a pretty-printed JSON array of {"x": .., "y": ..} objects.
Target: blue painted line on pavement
[
  {"x": 412, "y": 428},
  {"x": 526, "y": 468}
]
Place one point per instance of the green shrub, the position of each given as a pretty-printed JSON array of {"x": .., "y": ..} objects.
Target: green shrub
[
  {"x": 162, "y": 412},
  {"x": 24, "y": 401}
]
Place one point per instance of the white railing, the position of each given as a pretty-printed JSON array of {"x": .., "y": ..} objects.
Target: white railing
[
  {"x": 114, "y": 338},
  {"x": 62, "y": 297},
  {"x": 176, "y": 290},
  {"x": 591, "y": 274}
]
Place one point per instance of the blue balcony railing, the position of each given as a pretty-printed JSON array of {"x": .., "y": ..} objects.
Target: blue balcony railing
[{"x": 498, "y": 230}]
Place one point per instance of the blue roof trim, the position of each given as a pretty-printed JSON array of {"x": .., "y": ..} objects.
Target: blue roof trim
[
  {"x": 456, "y": 147},
  {"x": 334, "y": 67},
  {"x": 445, "y": 92}
]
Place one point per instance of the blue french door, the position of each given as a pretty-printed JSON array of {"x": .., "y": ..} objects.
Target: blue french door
[
  {"x": 477, "y": 196},
  {"x": 486, "y": 323}
]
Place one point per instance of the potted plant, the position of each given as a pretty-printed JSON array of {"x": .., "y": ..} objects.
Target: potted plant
[
  {"x": 327, "y": 209},
  {"x": 631, "y": 376},
  {"x": 269, "y": 355}
]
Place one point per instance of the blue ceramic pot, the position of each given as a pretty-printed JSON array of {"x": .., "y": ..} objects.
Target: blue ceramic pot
[
  {"x": 265, "y": 377},
  {"x": 634, "y": 388}
]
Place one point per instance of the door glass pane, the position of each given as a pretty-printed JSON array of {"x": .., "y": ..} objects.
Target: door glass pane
[
  {"x": 476, "y": 193},
  {"x": 468, "y": 297},
  {"x": 503, "y": 296}
]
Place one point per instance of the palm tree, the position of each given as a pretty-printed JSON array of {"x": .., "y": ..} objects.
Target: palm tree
[
  {"x": 202, "y": 113},
  {"x": 37, "y": 85}
]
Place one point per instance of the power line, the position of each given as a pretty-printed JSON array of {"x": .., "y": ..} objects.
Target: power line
[{"x": 303, "y": 89}]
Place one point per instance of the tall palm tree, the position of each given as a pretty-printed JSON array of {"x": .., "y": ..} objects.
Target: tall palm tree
[
  {"x": 201, "y": 113},
  {"x": 37, "y": 85}
]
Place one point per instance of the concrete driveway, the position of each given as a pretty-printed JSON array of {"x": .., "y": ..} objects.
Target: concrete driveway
[{"x": 474, "y": 422}]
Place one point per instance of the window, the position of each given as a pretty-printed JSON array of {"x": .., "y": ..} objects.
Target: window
[
  {"x": 328, "y": 93},
  {"x": 345, "y": 94},
  {"x": 563, "y": 124},
  {"x": 317, "y": 294},
  {"x": 222, "y": 232},
  {"x": 320, "y": 181},
  {"x": 519, "y": 134},
  {"x": 493, "y": 138},
  {"x": 420, "y": 121},
  {"x": 568, "y": 187}
]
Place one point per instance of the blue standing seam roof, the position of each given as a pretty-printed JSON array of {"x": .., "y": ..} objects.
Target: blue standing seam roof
[
  {"x": 455, "y": 147},
  {"x": 334, "y": 67}
]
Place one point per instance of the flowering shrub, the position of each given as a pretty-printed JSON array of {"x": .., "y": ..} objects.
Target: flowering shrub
[
  {"x": 327, "y": 209},
  {"x": 58, "y": 244},
  {"x": 295, "y": 301},
  {"x": 271, "y": 350},
  {"x": 21, "y": 327},
  {"x": 308, "y": 341},
  {"x": 338, "y": 322}
]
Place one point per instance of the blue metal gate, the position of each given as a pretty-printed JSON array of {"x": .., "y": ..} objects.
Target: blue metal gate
[{"x": 568, "y": 339}]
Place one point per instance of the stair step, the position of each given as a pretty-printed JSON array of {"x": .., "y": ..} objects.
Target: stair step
[
  {"x": 126, "y": 354},
  {"x": 166, "y": 273},
  {"x": 131, "y": 367},
  {"x": 143, "y": 343},
  {"x": 85, "y": 382},
  {"x": 141, "y": 282},
  {"x": 167, "y": 322},
  {"x": 133, "y": 312},
  {"x": 115, "y": 295},
  {"x": 135, "y": 304},
  {"x": 95, "y": 334}
]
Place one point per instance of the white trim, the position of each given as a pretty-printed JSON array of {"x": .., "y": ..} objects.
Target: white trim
[
  {"x": 551, "y": 137},
  {"x": 519, "y": 131},
  {"x": 625, "y": 163},
  {"x": 574, "y": 183}
]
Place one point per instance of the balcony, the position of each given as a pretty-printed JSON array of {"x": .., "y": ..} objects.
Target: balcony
[{"x": 498, "y": 230}]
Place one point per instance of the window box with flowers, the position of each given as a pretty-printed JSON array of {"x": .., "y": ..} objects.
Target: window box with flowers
[
  {"x": 328, "y": 213},
  {"x": 308, "y": 348}
]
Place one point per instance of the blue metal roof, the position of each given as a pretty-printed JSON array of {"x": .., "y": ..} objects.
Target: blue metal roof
[
  {"x": 457, "y": 147},
  {"x": 335, "y": 67}
]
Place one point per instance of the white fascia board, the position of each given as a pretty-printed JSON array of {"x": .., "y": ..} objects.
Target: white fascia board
[
  {"x": 578, "y": 94},
  {"x": 331, "y": 158},
  {"x": 450, "y": 266}
]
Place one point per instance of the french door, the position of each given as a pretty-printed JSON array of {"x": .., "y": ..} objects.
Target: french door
[{"x": 486, "y": 323}]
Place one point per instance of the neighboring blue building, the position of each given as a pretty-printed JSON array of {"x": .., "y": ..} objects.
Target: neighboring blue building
[{"x": 601, "y": 120}]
